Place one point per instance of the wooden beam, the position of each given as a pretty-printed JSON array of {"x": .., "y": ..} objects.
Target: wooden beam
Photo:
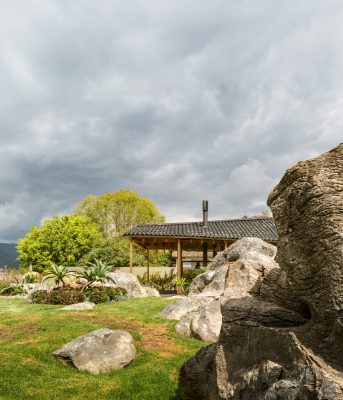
[
  {"x": 148, "y": 266},
  {"x": 131, "y": 256}
]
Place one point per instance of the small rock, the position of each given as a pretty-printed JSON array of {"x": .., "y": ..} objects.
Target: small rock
[
  {"x": 99, "y": 351},
  {"x": 85, "y": 305}
]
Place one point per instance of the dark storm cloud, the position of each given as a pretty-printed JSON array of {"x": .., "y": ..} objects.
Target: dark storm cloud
[{"x": 180, "y": 101}]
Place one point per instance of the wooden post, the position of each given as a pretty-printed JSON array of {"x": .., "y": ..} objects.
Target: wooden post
[
  {"x": 204, "y": 254},
  {"x": 225, "y": 244},
  {"x": 131, "y": 256},
  {"x": 148, "y": 266},
  {"x": 179, "y": 263}
]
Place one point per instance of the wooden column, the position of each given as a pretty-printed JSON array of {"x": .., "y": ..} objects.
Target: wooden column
[
  {"x": 131, "y": 256},
  {"x": 226, "y": 243},
  {"x": 179, "y": 263},
  {"x": 148, "y": 266},
  {"x": 204, "y": 254}
]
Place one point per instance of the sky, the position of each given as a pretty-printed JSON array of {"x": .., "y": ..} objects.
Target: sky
[{"x": 178, "y": 100}]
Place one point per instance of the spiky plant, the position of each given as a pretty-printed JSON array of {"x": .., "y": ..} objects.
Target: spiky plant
[
  {"x": 95, "y": 272},
  {"x": 58, "y": 273}
]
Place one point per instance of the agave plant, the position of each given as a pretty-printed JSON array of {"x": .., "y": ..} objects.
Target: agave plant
[
  {"x": 58, "y": 273},
  {"x": 96, "y": 272},
  {"x": 181, "y": 283}
]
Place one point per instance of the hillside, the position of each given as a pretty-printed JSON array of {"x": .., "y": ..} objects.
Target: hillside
[{"x": 8, "y": 254}]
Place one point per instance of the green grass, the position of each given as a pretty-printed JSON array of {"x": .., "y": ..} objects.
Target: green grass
[{"x": 30, "y": 332}]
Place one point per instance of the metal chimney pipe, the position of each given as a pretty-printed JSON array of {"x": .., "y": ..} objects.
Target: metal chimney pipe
[{"x": 204, "y": 212}]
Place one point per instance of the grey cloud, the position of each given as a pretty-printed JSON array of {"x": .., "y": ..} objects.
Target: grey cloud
[{"x": 180, "y": 101}]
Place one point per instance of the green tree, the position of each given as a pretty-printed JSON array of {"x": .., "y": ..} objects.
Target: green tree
[
  {"x": 61, "y": 240},
  {"x": 262, "y": 215},
  {"x": 117, "y": 212}
]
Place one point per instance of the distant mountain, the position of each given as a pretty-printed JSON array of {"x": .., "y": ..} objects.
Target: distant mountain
[{"x": 8, "y": 255}]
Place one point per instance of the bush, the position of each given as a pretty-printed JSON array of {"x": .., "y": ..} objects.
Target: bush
[
  {"x": 13, "y": 290},
  {"x": 104, "y": 294},
  {"x": 66, "y": 295},
  {"x": 166, "y": 282},
  {"x": 189, "y": 275},
  {"x": 40, "y": 297}
]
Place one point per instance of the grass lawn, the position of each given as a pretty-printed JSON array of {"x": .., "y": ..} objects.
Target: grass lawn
[{"x": 30, "y": 332}]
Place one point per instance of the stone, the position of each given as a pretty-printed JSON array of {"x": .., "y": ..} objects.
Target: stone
[
  {"x": 99, "y": 351},
  {"x": 284, "y": 340},
  {"x": 132, "y": 285},
  {"x": 238, "y": 271},
  {"x": 184, "y": 306},
  {"x": 151, "y": 292},
  {"x": 85, "y": 305},
  {"x": 203, "y": 323}
]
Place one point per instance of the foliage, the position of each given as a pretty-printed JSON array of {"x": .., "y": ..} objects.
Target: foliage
[
  {"x": 189, "y": 275},
  {"x": 32, "y": 332},
  {"x": 105, "y": 294},
  {"x": 30, "y": 278},
  {"x": 62, "y": 240},
  {"x": 9, "y": 276},
  {"x": 263, "y": 215},
  {"x": 166, "y": 282},
  {"x": 115, "y": 251},
  {"x": 117, "y": 212},
  {"x": 13, "y": 289},
  {"x": 96, "y": 272},
  {"x": 58, "y": 273},
  {"x": 181, "y": 283},
  {"x": 63, "y": 295}
]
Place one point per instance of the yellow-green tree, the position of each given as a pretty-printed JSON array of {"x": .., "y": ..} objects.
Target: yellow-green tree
[
  {"x": 61, "y": 240},
  {"x": 117, "y": 212}
]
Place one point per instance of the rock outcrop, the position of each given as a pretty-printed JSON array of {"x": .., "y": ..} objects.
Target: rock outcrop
[
  {"x": 285, "y": 341},
  {"x": 99, "y": 351},
  {"x": 238, "y": 271}
]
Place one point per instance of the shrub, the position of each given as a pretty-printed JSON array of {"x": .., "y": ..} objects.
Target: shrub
[
  {"x": 188, "y": 275},
  {"x": 104, "y": 294},
  {"x": 166, "y": 282},
  {"x": 40, "y": 297},
  {"x": 66, "y": 295},
  {"x": 13, "y": 290}
]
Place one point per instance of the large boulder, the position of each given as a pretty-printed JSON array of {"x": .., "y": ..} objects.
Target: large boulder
[
  {"x": 99, "y": 351},
  {"x": 131, "y": 283},
  {"x": 238, "y": 271},
  {"x": 285, "y": 340}
]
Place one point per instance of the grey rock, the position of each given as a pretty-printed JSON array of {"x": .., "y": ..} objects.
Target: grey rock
[
  {"x": 85, "y": 305},
  {"x": 132, "y": 285},
  {"x": 99, "y": 351},
  {"x": 184, "y": 306}
]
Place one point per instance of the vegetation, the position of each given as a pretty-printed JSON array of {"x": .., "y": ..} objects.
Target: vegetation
[
  {"x": 263, "y": 215},
  {"x": 117, "y": 212},
  {"x": 96, "y": 272},
  {"x": 63, "y": 295},
  {"x": 189, "y": 275},
  {"x": 58, "y": 273},
  {"x": 13, "y": 289},
  {"x": 161, "y": 283},
  {"x": 105, "y": 294},
  {"x": 62, "y": 240},
  {"x": 30, "y": 332}
]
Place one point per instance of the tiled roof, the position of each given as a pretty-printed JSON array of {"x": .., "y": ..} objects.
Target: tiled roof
[{"x": 263, "y": 228}]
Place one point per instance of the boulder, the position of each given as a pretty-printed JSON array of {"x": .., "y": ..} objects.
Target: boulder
[
  {"x": 203, "y": 323},
  {"x": 99, "y": 351},
  {"x": 285, "y": 339},
  {"x": 238, "y": 271},
  {"x": 132, "y": 285},
  {"x": 85, "y": 305}
]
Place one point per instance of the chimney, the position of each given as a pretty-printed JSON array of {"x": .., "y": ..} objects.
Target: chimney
[{"x": 204, "y": 212}]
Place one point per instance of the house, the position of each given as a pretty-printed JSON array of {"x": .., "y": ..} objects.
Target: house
[{"x": 203, "y": 236}]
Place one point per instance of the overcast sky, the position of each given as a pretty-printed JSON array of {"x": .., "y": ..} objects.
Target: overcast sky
[{"x": 178, "y": 100}]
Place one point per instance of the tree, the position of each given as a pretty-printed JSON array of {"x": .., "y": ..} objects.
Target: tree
[
  {"x": 61, "y": 240},
  {"x": 263, "y": 215},
  {"x": 117, "y": 212}
]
